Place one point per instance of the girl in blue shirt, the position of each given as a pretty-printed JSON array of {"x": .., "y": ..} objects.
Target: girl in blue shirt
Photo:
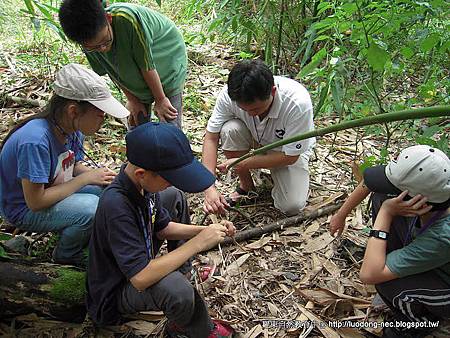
[{"x": 43, "y": 184}]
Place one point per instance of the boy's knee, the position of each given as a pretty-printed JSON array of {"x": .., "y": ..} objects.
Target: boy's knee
[
  {"x": 171, "y": 195},
  {"x": 179, "y": 294}
]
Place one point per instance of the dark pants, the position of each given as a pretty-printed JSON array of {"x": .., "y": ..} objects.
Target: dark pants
[
  {"x": 173, "y": 294},
  {"x": 174, "y": 201},
  {"x": 177, "y": 298},
  {"x": 416, "y": 298}
]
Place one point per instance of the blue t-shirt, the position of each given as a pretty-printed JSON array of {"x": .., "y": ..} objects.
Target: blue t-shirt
[{"x": 33, "y": 152}]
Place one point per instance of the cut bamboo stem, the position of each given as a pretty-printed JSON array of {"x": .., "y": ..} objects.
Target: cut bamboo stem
[{"x": 409, "y": 114}]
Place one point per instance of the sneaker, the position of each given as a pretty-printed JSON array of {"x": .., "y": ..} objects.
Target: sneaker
[
  {"x": 221, "y": 330},
  {"x": 77, "y": 262},
  {"x": 205, "y": 272}
]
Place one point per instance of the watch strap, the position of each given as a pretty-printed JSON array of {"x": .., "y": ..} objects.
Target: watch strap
[{"x": 379, "y": 234}]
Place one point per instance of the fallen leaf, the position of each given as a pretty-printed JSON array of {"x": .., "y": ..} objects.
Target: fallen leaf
[{"x": 318, "y": 243}]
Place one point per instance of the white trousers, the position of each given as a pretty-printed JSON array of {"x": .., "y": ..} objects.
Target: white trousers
[{"x": 290, "y": 184}]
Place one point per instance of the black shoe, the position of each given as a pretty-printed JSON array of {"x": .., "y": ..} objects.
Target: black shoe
[{"x": 81, "y": 262}]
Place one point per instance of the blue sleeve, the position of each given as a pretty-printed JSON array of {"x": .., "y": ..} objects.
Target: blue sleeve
[
  {"x": 162, "y": 215},
  {"x": 34, "y": 162}
]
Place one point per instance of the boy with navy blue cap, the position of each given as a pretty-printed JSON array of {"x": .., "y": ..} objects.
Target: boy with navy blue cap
[{"x": 124, "y": 274}]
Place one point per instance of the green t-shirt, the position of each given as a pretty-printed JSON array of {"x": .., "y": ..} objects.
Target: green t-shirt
[
  {"x": 143, "y": 40},
  {"x": 428, "y": 251}
]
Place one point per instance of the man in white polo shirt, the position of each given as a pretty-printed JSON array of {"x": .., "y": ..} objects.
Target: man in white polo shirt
[{"x": 253, "y": 110}]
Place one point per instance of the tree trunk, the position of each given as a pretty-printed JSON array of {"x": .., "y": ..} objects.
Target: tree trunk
[{"x": 50, "y": 289}]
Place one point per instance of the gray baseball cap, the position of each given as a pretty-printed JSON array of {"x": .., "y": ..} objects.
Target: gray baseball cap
[
  {"x": 420, "y": 169},
  {"x": 79, "y": 83}
]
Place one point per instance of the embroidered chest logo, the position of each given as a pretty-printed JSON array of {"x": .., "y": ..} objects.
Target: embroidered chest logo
[{"x": 280, "y": 133}]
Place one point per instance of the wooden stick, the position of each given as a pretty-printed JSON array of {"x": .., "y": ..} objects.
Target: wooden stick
[
  {"x": 287, "y": 222},
  {"x": 25, "y": 101}
]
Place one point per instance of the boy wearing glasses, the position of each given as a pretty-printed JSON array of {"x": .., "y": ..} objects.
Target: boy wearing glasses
[{"x": 140, "y": 49}]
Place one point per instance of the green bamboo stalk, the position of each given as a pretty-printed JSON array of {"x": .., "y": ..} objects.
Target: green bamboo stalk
[{"x": 408, "y": 114}]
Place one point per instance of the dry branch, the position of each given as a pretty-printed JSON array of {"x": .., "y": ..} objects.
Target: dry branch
[
  {"x": 287, "y": 222},
  {"x": 23, "y": 101},
  {"x": 49, "y": 289}
]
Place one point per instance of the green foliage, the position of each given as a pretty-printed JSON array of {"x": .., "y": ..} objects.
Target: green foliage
[
  {"x": 355, "y": 57},
  {"x": 45, "y": 12},
  {"x": 3, "y": 253},
  {"x": 69, "y": 287}
]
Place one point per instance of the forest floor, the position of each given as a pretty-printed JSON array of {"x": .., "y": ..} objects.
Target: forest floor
[
  {"x": 270, "y": 286},
  {"x": 292, "y": 275}
]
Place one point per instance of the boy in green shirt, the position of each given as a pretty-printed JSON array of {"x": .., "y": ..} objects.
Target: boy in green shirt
[
  {"x": 140, "y": 49},
  {"x": 407, "y": 256}
]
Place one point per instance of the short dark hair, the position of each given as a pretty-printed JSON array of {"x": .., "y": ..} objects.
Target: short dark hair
[
  {"x": 250, "y": 80},
  {"x": 81, "y": 20}
]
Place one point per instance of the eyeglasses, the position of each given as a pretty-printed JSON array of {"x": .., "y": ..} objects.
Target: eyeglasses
[{"x": 105, "y": 43}]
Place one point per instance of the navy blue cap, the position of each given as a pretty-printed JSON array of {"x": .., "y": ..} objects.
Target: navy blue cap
[{"x": 165, "y": 150}]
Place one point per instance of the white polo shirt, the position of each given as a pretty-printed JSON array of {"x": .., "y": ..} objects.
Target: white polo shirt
[{"x": 291, "y": 114}]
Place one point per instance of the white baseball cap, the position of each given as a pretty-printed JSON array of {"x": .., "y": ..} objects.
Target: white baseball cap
[
  {"x": 420, "y": 169},
  {"x": 79, "y": 83}
]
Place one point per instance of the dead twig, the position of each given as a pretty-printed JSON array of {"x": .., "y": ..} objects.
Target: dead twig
[{"x": 258, "y": 231}]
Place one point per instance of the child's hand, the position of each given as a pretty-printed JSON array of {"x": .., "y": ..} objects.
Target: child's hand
[
  {"x": 231, "y": 230},
  {"x": 211, "y": 236},
  {"x": 99, "y": 176},
  {"x": 337, "y": 223},
  {"x": 416, "y": 206},
  {"x": 135, "y": 107},
  {"x": 215, "y": 202},
  {"x": 165, "y": 111}
]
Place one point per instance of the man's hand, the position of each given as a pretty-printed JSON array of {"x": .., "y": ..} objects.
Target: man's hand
[
  {"x": 223, "y": 167},
  {"x": 99, "y": 176},
  {"x": 165, "y": 111},
  {"x": 211, "y": 236},
  {"x": 215, "y": 202},
  {"x": 337, "y": 223},
  {"x": 416, "y": 206},
  {"x": 135, "y": 107}
]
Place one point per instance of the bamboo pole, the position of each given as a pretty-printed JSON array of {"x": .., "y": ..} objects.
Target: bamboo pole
[
  {"x": 284, "y": 223},
  {"x": 408, "y": 114}
]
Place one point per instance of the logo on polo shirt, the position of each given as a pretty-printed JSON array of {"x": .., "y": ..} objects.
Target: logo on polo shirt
[{"x": 280, "y": 133}]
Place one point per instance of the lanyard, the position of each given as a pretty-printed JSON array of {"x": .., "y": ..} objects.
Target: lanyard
[
  {"x": 148, "y": 234},
  {"x": 77, "y": 139},
  {"x": 424, "y": 227}
]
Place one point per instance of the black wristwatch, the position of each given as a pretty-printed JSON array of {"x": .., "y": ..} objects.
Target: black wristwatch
[{"x": 379, "y": 234}]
